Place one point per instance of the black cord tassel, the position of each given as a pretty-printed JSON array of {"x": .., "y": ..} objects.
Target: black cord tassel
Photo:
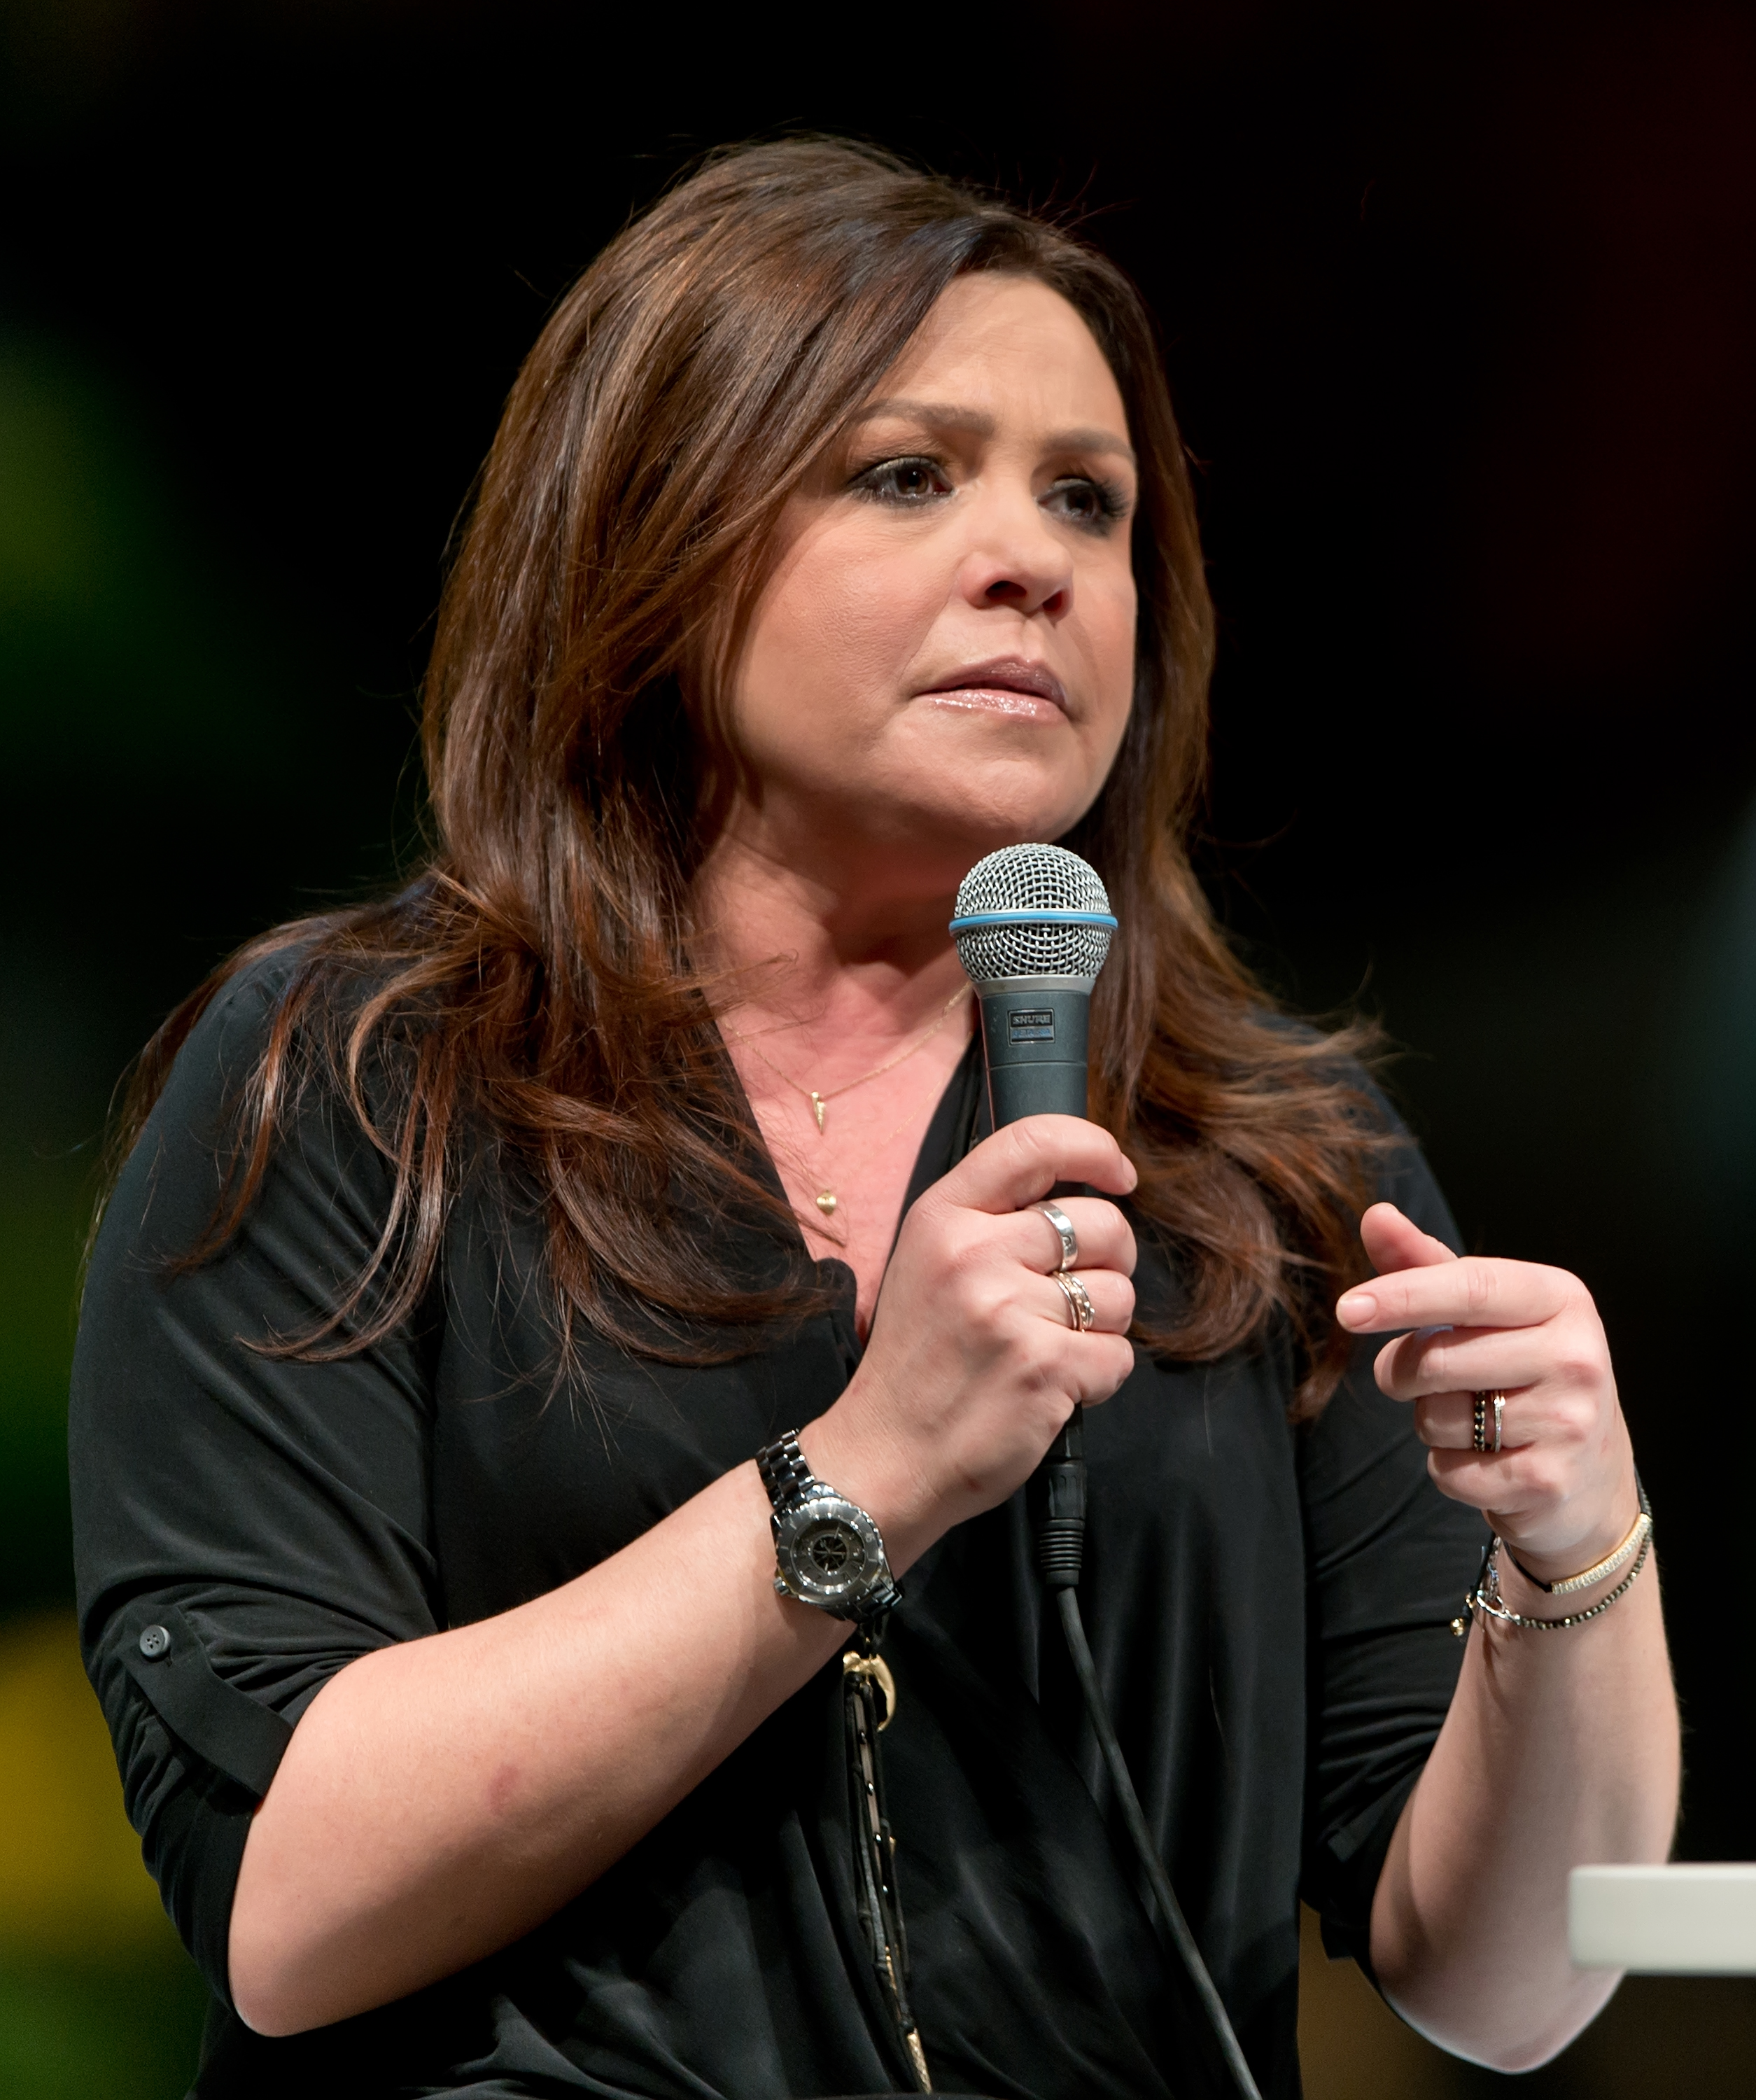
[{"x": 880, "y": 1907}]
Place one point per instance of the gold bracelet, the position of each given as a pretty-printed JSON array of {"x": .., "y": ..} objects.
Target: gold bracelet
[
  {"x": 1642, "y": 1525},
  {"x": 1485, "y": 1598}
]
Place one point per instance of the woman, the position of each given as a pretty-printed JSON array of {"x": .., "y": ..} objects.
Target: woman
[{"x": 469, "y": 1247}]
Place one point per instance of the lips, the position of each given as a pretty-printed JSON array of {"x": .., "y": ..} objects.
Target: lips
[{"x": 1006, "y": 674}]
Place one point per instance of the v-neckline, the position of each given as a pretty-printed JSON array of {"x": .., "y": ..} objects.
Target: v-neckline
[{"x": 959, "y": 1118}]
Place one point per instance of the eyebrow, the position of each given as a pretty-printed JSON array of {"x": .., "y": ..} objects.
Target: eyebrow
[{"x": 947, "y": 416}]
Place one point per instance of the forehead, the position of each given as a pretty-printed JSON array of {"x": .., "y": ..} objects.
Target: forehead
[{"x": 1011, "y": 350}]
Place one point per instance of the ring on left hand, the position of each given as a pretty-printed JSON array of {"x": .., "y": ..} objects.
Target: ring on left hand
[{"x": 1479, "y": 1431}]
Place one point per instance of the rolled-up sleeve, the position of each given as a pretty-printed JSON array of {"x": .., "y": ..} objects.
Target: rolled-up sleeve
[{"x": 244, "y": 1525}]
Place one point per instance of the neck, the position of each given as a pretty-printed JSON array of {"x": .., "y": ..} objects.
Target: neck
[
  {"x": 845, "y": 959},
  {"x": 837, "y": 1008}
]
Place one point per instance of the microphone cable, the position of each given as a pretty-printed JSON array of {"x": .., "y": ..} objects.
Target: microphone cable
[{"x": 1060, "y": 1557}]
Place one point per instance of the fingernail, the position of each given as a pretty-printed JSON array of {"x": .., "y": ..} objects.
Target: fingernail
[{"x": 1357, "y": 1306}]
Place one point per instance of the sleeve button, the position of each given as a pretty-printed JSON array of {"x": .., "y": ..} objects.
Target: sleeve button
[{"x": 153, "y": 1643}]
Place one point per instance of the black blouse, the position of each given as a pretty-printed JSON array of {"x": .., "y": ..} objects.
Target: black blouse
[{"x": 1269, "y": 1608}]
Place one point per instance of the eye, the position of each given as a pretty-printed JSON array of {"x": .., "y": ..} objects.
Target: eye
[
  {"x": 1094, "y": 505},
  {"x": 909, "y": 481}
]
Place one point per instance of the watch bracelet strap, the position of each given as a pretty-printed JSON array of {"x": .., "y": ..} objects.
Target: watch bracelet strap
[
  {"x": 785, "y": 1473},
  {"x": 874, "y": 1613}
]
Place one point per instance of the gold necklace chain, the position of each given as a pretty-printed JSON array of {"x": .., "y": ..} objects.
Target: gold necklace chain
[
  {"x": 825, "y": 1198},
  {"x": 820, "y": 1101}
]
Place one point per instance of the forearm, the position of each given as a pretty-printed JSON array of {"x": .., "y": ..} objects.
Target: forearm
[
  {"x": 442, "y": 1797},
  {"x": 1559, "y": 1750}
]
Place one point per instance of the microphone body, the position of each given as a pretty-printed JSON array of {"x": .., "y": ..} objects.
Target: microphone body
[{"x": 1033, "y": 1036}]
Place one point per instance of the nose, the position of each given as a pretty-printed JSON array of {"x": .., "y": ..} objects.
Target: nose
[{"x": 1015, "y": 559}]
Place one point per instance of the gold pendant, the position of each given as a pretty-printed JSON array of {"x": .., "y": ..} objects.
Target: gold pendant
[
  {"x": 827, "y": 1202},
  {"x": 817, "y": 1109}
]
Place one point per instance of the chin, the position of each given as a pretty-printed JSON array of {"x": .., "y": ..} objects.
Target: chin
[
  {"x": 995, "y": 791},
  {"x": 984, "y": 816}
]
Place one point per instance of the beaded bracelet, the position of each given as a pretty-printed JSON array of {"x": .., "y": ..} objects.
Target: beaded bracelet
[{"x": 1486, "y": 1597}]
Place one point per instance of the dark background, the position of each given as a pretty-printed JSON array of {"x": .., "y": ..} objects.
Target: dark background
[{"x": 1461, "y": 317}]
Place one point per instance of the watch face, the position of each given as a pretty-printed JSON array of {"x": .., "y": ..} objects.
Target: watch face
[{"x": 829, "y": 1551}]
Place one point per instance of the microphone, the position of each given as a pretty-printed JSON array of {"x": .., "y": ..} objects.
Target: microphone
[{"x": 1032, "y": 927}]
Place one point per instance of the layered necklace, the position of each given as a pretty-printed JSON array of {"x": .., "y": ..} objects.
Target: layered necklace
[{"x": 826, "y": 1199}]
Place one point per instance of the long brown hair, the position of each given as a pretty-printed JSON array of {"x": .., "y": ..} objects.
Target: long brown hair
[{"x": 533, "y": 986}]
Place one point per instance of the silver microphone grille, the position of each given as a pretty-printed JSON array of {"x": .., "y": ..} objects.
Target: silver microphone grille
[{"x": 1030, "y": 911}]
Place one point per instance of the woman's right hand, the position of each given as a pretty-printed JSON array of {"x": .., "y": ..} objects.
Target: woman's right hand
[{"x": 974, "y": 1365}]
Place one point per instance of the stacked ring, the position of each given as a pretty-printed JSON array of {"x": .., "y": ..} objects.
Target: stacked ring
[
  {"x": 1478, "y": 1436},
  {"x": 1082, "y": 1314}
]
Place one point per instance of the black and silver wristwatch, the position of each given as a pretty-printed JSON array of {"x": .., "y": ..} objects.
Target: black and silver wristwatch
[{"x": 827, "y": 1550}]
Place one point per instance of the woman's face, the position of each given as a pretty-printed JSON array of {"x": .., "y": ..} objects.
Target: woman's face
[{"x": 943, "y": 660}]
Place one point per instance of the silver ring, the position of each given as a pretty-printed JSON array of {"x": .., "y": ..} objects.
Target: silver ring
[
  {"x": 1082, "y": 1314},
  {"x": 1064, "y": 1232},
  {"x": 1479, "y": 1422},
  {"x": 1500, "y": 1418}
]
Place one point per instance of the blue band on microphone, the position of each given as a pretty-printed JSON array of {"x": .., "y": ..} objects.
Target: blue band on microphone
[{"x": 1027, "y": 918}]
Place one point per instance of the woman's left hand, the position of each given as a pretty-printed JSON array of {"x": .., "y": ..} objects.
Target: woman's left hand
[{"x": 1560, "y": 1491}]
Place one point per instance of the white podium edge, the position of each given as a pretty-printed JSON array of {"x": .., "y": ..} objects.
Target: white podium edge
[{"x": 1690, "y": 1920}]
